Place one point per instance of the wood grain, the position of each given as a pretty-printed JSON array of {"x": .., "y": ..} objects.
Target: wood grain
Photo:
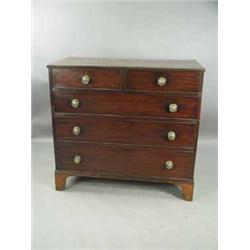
[
  {"x": 186, "y": 81},
  {"x": 126, "y": 104},
  {"x": 125, "y": 159},
  {"x": 126, "y": 130},
  {"x": 75, "y": 62},
  {"x": 100, "y": 78},
  {"x": 124, "y": 117}
]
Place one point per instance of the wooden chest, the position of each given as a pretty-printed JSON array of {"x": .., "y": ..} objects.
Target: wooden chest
[{"x": 126, "y": 119}]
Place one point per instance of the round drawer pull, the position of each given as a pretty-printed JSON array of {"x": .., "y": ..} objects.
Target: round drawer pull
[
  {"x": 86, "y": 79},
  {"x": 169, "y": 165},
  {"x": 77, "y": 159},
  {"x": 173, "y": 107},
  {"x": 75, "y": 103},
  {"x": 161, "y": 81},
  {"x": 76, "y": 130},
  {"x": 171, "y": 135}
]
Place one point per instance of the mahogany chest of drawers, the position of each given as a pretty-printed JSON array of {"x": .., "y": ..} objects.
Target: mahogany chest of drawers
[{"x": 126, "y": 119}]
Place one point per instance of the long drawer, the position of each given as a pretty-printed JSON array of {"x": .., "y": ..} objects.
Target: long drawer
[
  {"x": 126, "y": 104},
  {"x": 126, "y": 130},
  {"x": 125, "y": 159}
]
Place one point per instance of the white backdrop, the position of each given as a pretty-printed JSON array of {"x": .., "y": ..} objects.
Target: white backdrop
[{"x": 170, "y": 30}]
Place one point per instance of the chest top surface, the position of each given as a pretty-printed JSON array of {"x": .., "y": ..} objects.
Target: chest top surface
[{"x": 127, "y": 63}]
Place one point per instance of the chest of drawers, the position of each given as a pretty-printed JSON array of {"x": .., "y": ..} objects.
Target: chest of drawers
[{"x": 126, "y": 119}]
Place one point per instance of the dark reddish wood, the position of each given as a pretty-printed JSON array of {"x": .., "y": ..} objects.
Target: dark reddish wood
[
  {"x": 124, "y": 115},
  {"x": 126, "y": 104},
  {"x": 125, "y": 159},
  {"x": 186, "y": 185},
  {"x": 186, "y": 81},
  {"x": 131, "y": 177},
  {"x": 126, "y": 130},
  {"x": 78, "y": 62},
  {"x": 100, "y": 78}
]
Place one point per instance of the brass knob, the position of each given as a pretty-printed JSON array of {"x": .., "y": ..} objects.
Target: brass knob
[
  {"x": 77, "y": 159},
  {"x": 76, "y": 130},
  {"x": 169, "y": 165},
  {"x": 161, "y": 81},
  {"x": 86, "y": 79},
  {"x": 171, "y": 135},
  {"x": 75, "y": 103},
  {"x": 173, "y": 107}
]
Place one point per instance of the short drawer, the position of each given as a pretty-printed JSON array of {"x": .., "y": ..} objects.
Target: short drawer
[
  {"x": 124, "y": 159},
  {"x": 89, "y": 78},
  {"x": 163, "y": 80},
  {"x": 126, "y": 104},
  {"x": 126, "y": 130}
]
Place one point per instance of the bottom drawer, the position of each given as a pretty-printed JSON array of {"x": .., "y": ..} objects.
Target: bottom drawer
[{"x": 125, "y": 159}]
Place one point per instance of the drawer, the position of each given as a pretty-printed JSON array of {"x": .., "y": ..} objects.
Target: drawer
[
  {"x": 124, "y": 159},
  {"x": 163, "y": 80},
  {"x": 89, "y": 78},
  {"x": 126, "y": 104},
  {"x": 125, "y": 130}
]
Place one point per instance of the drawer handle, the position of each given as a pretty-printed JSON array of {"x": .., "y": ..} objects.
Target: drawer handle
[
  {"x": 86, "y": 79},
  {"x": 173, "y": 107},
  {"x": 169, "y": 165},
  {"x": 161, "y": 81},
  {"x": 75, "y": 103},
  {"x": 76, "y": 130},
  {"x": 77, "y": 159},
  {"x": 171, "y": 135}
]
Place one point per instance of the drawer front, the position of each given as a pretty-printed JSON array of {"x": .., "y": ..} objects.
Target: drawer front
[
  {"x": 126, "y": 104},
  {"x": 121, "y": 159},
  {"x": 147, "y": 80},
  {"x": 126, "y": 130},
  {"x": 87, "y": 78}
]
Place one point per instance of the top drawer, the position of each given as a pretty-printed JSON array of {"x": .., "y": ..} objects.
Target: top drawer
[
  {"x": 163, "y": 80},
  {"x": 89, "y": 78}
]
